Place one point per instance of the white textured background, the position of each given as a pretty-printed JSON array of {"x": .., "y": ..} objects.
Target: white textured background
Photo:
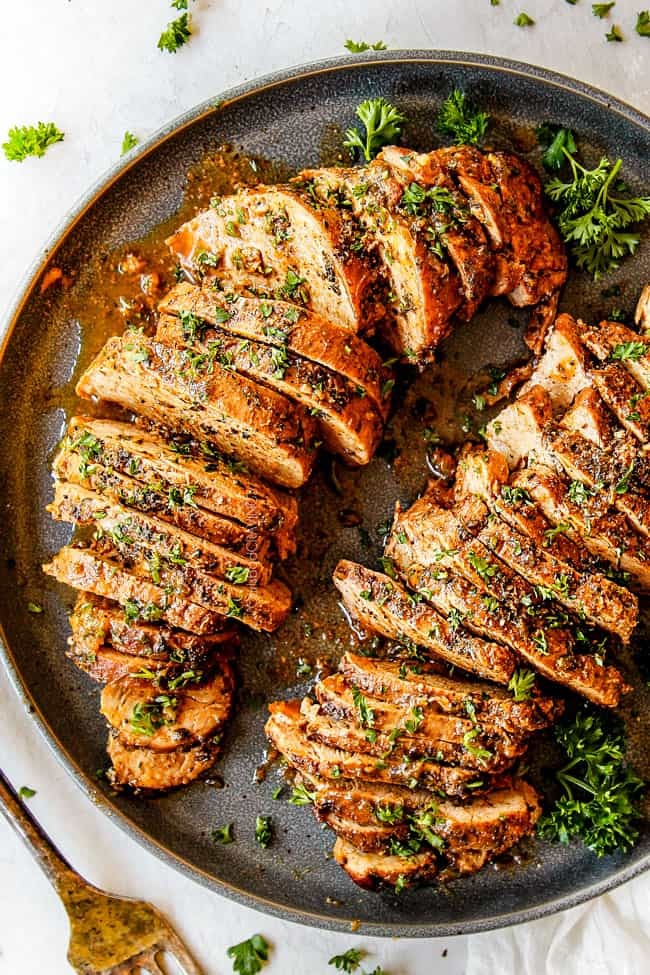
[{"x": 92, "y": 67}]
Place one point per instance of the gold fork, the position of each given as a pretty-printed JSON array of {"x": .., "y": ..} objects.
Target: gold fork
[{"x": 108, "y": 935}]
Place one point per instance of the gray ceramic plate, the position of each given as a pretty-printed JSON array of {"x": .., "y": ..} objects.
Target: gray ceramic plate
[{"x": 293, "y": 118}]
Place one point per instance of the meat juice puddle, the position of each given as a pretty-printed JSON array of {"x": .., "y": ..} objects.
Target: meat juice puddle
[{"x": 345, "y": 513}]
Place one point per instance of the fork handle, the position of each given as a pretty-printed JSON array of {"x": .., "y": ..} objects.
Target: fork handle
[{"x": 53, "y": 864}]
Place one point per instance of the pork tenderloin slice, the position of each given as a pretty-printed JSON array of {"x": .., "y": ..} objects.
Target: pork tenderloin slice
[
  {"x": 423, "y": 291},
  {"x": 286, "y": 731},
  {"x": 278, "y": 242},
  {"x": 446, "y": 214},
  {"x": 214, "y": 482},
  {"x": 147, "y": 770},
  {"x": 611, "y": 341},
  {"x": 387, "y": 679},
  {"x": 625, "y": 398},
  {"x": 517, "y": 431},
  {"x": 133, "y": 531},
  {"x": 281, "y": 324},
  {"x": 493, "y": 821},
  {"x": 90, "y": 571},
  {"x": 533, "y": 240},
  {"x": 146, "y": 716},
  {"x": 336, "y": 698},
  {"x": 562, "y": 368},
  {"x": 192, "y": 394},
  {"x": 168, "y": 503},
  {"x": 384, "y": 606},
  {"x": 452, "y": 742},
  {"x": 349, "y": 423},
  {"x": 590, "y": 520},
  {"x": 484, "y": 473},
  {"x": 97, "y": 624},
  {"x": 588, "y": 595},
  {"x": 373, "y": 870},
  {"x": 619, "y": 471}
]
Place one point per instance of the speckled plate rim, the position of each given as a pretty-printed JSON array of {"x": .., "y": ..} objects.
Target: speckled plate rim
[{"x": 498, "y": 65}]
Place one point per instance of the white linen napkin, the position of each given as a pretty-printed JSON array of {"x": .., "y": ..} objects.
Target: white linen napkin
[{"x": 607, "y": 936}]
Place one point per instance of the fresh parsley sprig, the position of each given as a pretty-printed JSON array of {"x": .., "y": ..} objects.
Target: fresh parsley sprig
[
  {"x": 383, "y": 125},
  {"x": 601, "y": 792},
  {"x": 129, "y": 142},
  {"x": 358, "y": 47},
  {"x": 30, "y": 140},
  {"x": 176, "y": 33},
  {"x": 250, "y": 956},
  {"x": 458, "y": 119},
  {"x": 597, "y": 216},
  {"x": 643, "y": 23}
]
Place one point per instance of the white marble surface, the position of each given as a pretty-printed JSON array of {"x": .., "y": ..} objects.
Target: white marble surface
[{"x": 93, "y": 68}]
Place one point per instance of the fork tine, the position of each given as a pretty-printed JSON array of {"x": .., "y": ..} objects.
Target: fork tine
[{"x": 177, "y": 949}]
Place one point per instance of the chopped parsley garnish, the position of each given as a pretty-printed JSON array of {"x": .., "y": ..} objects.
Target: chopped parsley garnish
[
  {"x": 415, "y": 719},
  {"x": 482, "y": 755},
  {"x": 580, "y": 493},
  {"x": 223, "y": 834},
  {"x": 524, "y": 20},
  {"x": 249, "y": 957},
  {"x": 235, "y": 610},
  {"x": 383, "y": 124},
  {"x": 522, "y": 684},
  {"x": 597, "y": 214},
  {"x": 238, "y": 574},
  {"x": 623, "y": 485},
  {"x": 176, "y": 33},
  {"x": 30, "y": 140},
  {"x": 601, "y": 792},
  {"x": 191, "y": 325},
  {"x": 129, "y": 142},
  {"x": 540, "y": 641},
  {"x": 25, "y": 792},
  {"x": 301, "y": 796},
  {"x": 628, "y": 350},
  {"x": 515, "y": 495},
  {"x": 358, "y": 47},
  {"x": 484, "y": 567},
  {"x": 349, "y": 961},
  {"x": 389, "y": 814},
  {"x": 554, "y": 140},
  {"x": 366, "y": 715},
  {"x": 149, "y": 716},
  {"x": 458, "y": 119},
  {"x": 601, "y": 9},
  {"x": 34, "y": 608},
  {"x": 614, "y": 34},
  {"x": 643, "y": 23},
  {"x": 263, "y": 833}
]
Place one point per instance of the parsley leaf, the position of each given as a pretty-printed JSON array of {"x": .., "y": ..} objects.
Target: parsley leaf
[
  {"x": 349, "y": 961},
  {"x": 129, "y": 142},
  {"x": 263, "y": 833},
  {"x": 628, "y": 350},
  {"x": 601, "y": 9},
  {"x": 458, "y": 119},
  {"x": 223, "y": 834},
  {"x": 524, "y": 20},
  {"x": 521, "y": 684},
  {"x": 600, "y": 801},
  {"x": 643, "y": 23},
  {"x": 358, "y": 47},
  {"x": 554, "y": 140},
  {"x": 366, "y": 715},
  {"x": 383, "y": 124},
  {"x": 248, "y": 957},
  {"x": 25, "y": 792},
  {"x": 30, "y": 140},
  {"x": 597, "y": 215},
  {"x": 176, "y": 33},
  {"x": 301, "y": 796},
  {"x": 614, "y": 34}
]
